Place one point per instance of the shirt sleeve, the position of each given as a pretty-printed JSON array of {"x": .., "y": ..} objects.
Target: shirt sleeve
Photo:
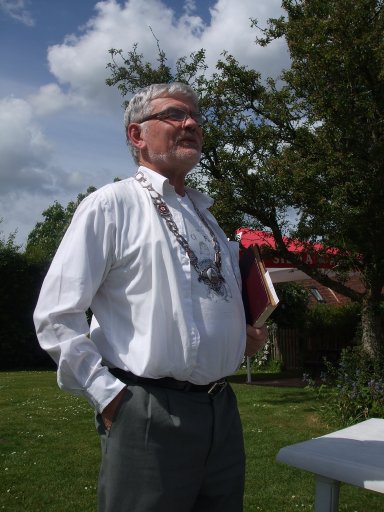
[{"x": 81, "y": 263}]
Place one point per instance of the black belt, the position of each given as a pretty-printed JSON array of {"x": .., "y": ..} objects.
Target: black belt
[{"x": 212, "y": 389}]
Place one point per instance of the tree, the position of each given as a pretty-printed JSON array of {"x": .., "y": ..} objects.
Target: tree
[
  {"x": 46, "y": 236},
  {"x": 310, "y": 142},
  {"x": 8, "y": 248},
  {"x": 337, "y": 51}
]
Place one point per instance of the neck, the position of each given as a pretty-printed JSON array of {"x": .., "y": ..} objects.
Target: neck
[
  {"x": 176, "y": 178},
  {"x": 179, "y": 186}
]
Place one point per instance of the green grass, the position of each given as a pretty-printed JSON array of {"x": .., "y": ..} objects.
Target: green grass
[{"x": 50, "y": 450}]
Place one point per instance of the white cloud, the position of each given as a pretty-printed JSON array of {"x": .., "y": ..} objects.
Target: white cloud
[
  {"x": 27, "y": 156},
  {"x": 51, "y": 99},
  {"x": 80, "y": 61},
  {"x": 17, "y": 10},
  {"x": 24, "y": 150},
  {"x": 231, "y": 30}
]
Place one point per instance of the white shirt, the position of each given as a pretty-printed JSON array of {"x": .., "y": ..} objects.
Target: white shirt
[{"x": 156, "y": 319}]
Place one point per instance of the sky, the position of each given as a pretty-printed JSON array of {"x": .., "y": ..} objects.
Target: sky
[{"x": 61, "y": 126}]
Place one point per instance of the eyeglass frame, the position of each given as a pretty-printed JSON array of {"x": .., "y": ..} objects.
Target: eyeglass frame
[{"x": 166, "y": 114}]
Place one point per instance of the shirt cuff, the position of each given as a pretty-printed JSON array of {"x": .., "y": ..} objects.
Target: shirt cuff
[{"x": 103, "y": 390}]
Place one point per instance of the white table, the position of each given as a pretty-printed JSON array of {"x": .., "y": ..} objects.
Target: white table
[{"x": 354, "y": 455}]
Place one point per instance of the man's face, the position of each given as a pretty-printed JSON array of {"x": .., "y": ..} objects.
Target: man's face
[{"x": 171, "y": 145}]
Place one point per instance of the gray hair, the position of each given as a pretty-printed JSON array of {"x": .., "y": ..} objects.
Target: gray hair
[{"x": 140, "y": 104}]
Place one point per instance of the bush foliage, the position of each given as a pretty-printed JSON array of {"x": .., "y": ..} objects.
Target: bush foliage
[
  {"x": 351, "y": 390},
  {"x": 20, "y": 281},
  {"x": 322, "y": 317}
]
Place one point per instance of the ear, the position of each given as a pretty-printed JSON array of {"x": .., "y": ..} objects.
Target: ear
[{"x": 134, "y": 135}]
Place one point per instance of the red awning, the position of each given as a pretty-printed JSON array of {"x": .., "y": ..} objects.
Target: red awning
[{"x": 280, "y": 269}]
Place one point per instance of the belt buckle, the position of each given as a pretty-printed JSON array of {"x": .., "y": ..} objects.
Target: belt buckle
[{"x": 217, "y": 387}]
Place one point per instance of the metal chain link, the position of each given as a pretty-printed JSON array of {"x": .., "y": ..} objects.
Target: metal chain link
[{"x": 166, "y": 214}]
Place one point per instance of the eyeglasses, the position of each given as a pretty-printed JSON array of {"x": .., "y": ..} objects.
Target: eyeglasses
[{"x": 175, "y": 114}]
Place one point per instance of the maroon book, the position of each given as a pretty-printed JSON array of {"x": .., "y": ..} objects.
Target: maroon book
[{"x": 259, "y": 295}]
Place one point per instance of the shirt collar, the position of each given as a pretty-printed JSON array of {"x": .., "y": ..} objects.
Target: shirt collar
[
  {"x": 163, "y": 187},
  {"x": 159, "y": 182},
  {"x": 200, "y": 199}
]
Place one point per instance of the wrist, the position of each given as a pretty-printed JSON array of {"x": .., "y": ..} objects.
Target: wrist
[{"x": 109, "y": 412}]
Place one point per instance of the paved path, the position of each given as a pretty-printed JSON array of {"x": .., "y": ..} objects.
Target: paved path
[{"x": 294, "y": 382}]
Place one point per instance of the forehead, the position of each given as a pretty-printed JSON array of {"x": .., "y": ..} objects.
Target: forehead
[{"x": 173, "y": 101}]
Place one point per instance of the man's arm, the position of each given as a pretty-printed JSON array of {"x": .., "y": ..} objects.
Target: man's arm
[{"x": 74, "y": 277}]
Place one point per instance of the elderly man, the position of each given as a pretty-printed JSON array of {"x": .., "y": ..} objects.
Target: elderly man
[{"x": 162, "y": 281}]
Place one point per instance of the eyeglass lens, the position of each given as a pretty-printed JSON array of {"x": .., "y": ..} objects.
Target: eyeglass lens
[{"x": 176, "y": 114}]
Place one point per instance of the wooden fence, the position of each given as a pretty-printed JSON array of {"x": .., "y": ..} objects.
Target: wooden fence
[{"x": 299, "y": 349}]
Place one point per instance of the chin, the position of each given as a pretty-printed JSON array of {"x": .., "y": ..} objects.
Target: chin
[{"x": 190, "y": 154}]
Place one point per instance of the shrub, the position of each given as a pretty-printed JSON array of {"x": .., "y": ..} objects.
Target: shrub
[
  {"x": 322, "y": 317},
  {"x": 263, "y": 361},
  {"x": 20, "y": 282},
  {"x": 293, "y": 305},
  {"x": 351, "y": 390}
]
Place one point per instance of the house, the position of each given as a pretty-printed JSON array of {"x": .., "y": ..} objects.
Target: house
[{"x": 295, "y": 348}]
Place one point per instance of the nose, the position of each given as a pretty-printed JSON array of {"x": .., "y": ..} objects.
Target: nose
[{"x": 190, "y": 122}]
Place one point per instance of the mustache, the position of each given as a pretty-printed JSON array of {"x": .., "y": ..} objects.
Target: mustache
[{"x": 188, "y": 136}]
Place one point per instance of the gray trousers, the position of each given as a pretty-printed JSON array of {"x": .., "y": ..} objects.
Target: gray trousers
[{"x": 172, "y": 451}]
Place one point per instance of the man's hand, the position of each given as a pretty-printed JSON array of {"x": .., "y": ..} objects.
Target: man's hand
[
  {"x": 256, "y": 338},
  {"x": 109, "y": 411}
]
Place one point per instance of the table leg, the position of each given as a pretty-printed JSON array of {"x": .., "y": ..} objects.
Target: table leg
[{"x": 327, "y": 494}]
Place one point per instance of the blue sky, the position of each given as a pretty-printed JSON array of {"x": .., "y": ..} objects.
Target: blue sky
[{"x": 60, "y": 125}]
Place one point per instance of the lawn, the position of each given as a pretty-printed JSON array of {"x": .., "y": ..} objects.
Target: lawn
[{"x": 50, "y": 451}]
